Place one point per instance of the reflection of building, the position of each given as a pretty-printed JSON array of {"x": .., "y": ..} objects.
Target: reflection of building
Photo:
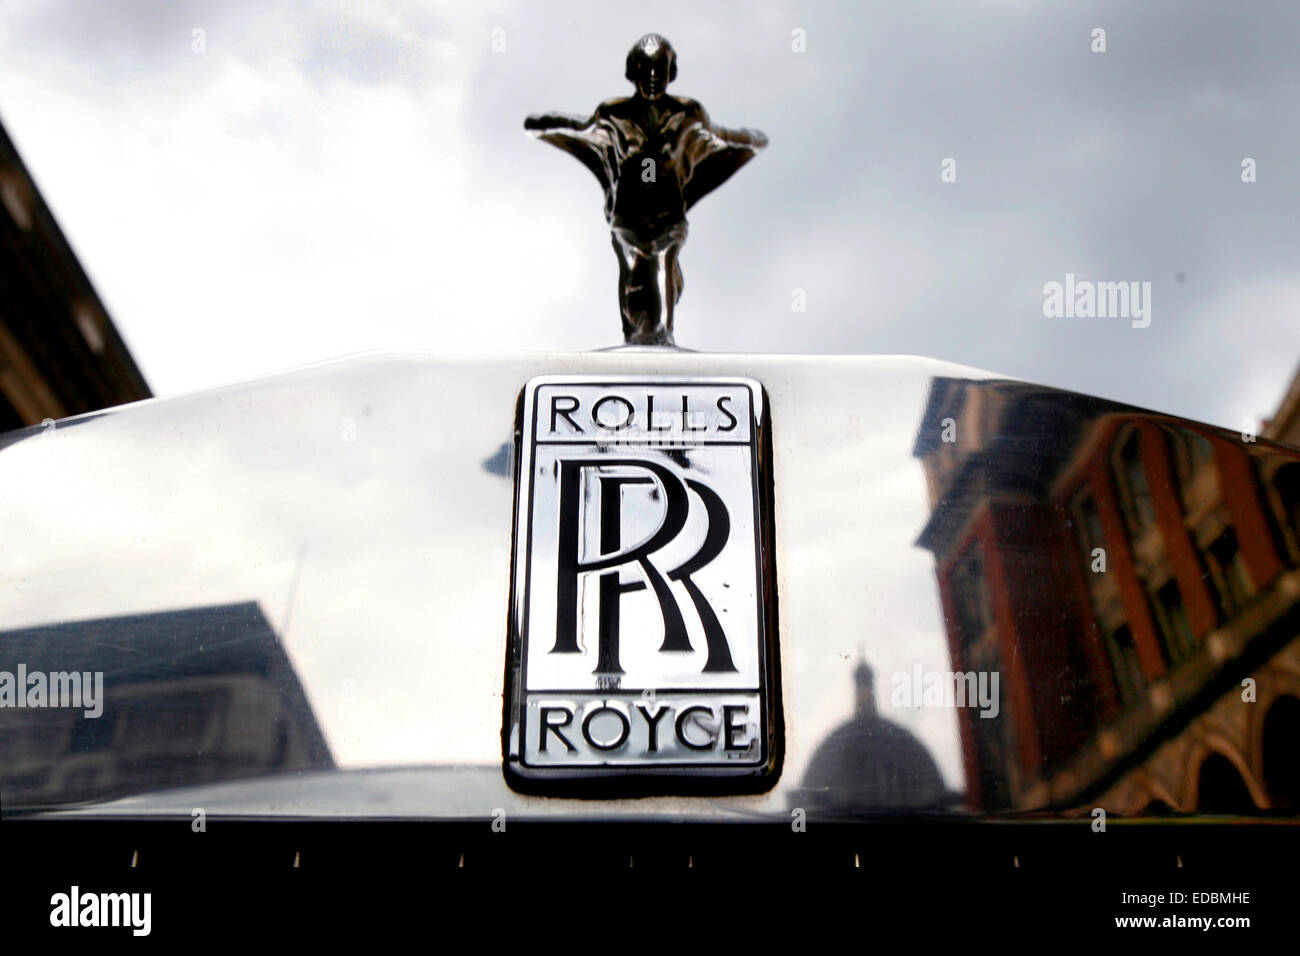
[
  {"x": 1124, "y": 572},
  {"x": 193, "y": 696},
  {"x": 1285, "y": 425},
  {"x": 870, "y": 764},
  {"x": 59, "y": 352}
]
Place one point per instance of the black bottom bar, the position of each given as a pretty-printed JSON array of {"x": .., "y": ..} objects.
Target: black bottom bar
[{"x": 933, "y": 879}]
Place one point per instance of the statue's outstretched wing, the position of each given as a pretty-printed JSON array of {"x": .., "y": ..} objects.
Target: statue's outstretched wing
[
  {"x": 713, "y": 154},
  {"x": 590, "y": 141}
]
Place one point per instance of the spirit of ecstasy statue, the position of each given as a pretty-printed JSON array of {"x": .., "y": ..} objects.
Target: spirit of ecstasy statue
[{"x": 656, "y": 156}]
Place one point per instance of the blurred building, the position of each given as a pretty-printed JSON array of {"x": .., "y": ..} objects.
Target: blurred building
[
  {"x": 60, "y": 354},
  {"x": 1134, "y": 579},
  {"x": 1285, "y": 425},
  {"x": 194, "y": 696}
]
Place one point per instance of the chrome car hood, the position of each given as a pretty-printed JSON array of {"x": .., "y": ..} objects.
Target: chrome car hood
[{"x": 296, "y": 591}]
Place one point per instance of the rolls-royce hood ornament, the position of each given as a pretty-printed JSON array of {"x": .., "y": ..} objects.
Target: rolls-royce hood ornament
[{"x": 656, "y": 156}]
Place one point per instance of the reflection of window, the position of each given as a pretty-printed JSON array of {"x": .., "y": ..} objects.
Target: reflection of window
[
  {"x": 1129, "y": 679},
  {"x": 994, "y": 746},
  {"x": 1130, "y": 682},
  {"x": 1227, "y": 573},
  {"x": 1171, "y": 620},
  {"x": 1287, "y": 484},
  {"x": 1288, "y": 489},
  {"x": 1135, "y": 493},
  {"x": 1192, "y": 452},
  {"x": 994, "y": 737},
  {"x": 1091, "y": 535},
  {"x": 970, "y": 597}
]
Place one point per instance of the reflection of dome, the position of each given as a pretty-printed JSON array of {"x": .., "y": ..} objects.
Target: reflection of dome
[{"x": 870, "y": 763}]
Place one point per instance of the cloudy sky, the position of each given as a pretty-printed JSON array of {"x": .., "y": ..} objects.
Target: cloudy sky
[{"x": 329, "y": 178}]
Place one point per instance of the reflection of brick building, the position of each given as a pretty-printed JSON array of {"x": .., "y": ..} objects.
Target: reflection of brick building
[
  {"x": 1124, "y": 572},
  {"x": 1285, "y": 425},
  {"x": 60, "y": 353}
]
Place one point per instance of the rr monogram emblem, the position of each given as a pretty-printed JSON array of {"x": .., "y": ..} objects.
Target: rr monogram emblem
[
  {"x": 642, "y": 615},
  {"x": 613, "y": 556}
]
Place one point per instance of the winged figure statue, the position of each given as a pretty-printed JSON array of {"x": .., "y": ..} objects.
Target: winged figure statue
[{"x": 655, "y": 156}]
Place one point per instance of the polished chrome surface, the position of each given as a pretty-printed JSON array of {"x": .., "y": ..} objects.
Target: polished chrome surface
[
  {"x": 296, "y": 591},
  {"x": 641, "y": 624},
  {"x": 655, "y": 156}
]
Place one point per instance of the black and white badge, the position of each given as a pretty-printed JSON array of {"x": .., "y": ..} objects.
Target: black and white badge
[{"x": 642, "y": 644}]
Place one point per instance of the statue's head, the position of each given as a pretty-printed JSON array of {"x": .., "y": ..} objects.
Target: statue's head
[{"x": 652, "y": 65}]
